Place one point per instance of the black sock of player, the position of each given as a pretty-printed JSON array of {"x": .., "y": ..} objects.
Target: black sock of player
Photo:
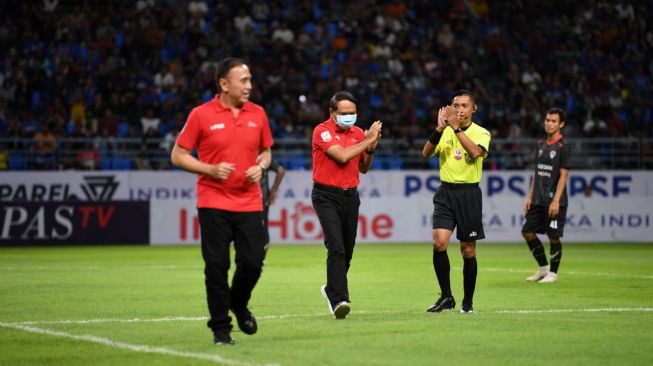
[
  {"x": 556, "y": 255},
  {"x": 537, "y": 249},
  {"x": 470, "y": 268},
  {"x": 442, "y": 269}
]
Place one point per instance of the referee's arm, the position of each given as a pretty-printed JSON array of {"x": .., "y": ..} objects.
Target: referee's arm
[{"x": 470, "y": 146}]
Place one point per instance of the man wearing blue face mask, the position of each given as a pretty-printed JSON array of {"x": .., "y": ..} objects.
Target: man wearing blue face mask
[{"x": 340, "y": 152}]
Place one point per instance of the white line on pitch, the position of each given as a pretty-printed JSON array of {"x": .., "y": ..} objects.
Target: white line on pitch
[
  {"x": 599, "y": 310},
  {"x": 128, "y": 346},
  {"x": 601, "y": 274},
  {"x": 315, "y": 315},
  {"x": 115, "y": 320},
  {"x": 81, "y": 268}
]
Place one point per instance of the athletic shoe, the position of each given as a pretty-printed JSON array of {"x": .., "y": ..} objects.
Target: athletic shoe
[
  {"x": 323, "y": 291},
  {"x": 443, "y": 303},
  {"x": 540, "y": 274},
  {"x": 222, "y": 338},
  {"x": 549, "y": 278},
  {"x": 341, "y": 310},
  {"x": 466, "y": 308},
  {"x": 246, "y": 321}
]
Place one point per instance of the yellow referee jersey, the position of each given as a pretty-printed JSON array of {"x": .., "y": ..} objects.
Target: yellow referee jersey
[{"x": 456, "y": 166}]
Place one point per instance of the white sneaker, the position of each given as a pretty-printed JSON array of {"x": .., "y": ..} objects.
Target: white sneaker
[
  {"x": 540, "y": 274},
  {"x": 549, "y": 278},
  {"x": 323, "y": 291}
]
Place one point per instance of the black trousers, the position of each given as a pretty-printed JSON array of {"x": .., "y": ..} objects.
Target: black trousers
[
  {"x": 338, "y": 215},
  {"x": 218, "y": 229}
]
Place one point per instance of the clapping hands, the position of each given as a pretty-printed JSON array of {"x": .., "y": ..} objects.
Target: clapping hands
[
  {"x": 374, "y": 134},
  {"x": 447, "y": 116}
]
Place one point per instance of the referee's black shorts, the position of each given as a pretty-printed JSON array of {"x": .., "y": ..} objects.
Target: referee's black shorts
[{"x": 459, "y": 206}]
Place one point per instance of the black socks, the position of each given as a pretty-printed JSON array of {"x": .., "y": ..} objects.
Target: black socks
[
  {"x": 556, "y": 255},
  {"x": 470, "y": 269},
  {"x": 537, "y": 249},
  {"x": 442, "y": 269}
]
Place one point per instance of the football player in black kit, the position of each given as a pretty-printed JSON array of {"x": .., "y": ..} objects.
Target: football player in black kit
[{"x": 546, "y": 203}]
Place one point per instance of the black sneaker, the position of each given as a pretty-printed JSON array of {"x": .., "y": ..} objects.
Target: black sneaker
[
  {"x": 246, "y": 321},
  {"x": 223, "y": 339},
  {"x": 466, "y": 308},
  {"x": 341, "y": 310},
  {"x": 443, "y": 303}
]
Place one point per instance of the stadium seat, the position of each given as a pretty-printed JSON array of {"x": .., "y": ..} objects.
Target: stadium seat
[
  {"x": 122, "y": 164},
  {"x": 297, "y": 163},
  {"x": 395, "y": 162},
  {"x": 17, "y": 162},
  {"x": 122, "y": 128},
  {"x": 377, "y": 163},
  {"x": 105, "y": 163},
  {"x": 434, "y": 163}
]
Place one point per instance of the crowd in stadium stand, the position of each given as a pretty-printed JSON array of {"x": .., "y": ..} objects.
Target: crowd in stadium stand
[{"x": 107, "y": 69}]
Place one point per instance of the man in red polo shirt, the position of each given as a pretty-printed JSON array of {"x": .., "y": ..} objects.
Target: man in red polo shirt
[
  {"x": 233, "y": 141},
  {"x": 340, "y": 151}
]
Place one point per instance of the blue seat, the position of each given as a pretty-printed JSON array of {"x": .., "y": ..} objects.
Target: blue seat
[
  {"x": 123, "y": 164},
  {"x": 297, "y": 163},
  {"x": 17, "y": 162},
  {"x": 434, "y": 163},
  {"x": 105, "y": 163},
  {"x": 122, "y": 128},
  {"x": 332, "y": 27},
  {"x": 395, "y": 162},
  {"x": 378, "y": 163}
]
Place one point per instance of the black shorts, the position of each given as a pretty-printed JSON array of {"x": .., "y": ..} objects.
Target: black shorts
[
  {"x": 538, "y": 221},
  {"x": 461, "y": 206}
]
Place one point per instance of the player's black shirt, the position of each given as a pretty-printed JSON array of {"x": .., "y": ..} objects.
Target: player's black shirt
[
  {"x": 265, "y": 185},
  {"x": 549, "y": 159}
]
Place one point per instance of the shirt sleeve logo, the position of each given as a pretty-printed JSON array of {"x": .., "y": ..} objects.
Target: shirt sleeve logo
[{"x": 326, "y": 136}]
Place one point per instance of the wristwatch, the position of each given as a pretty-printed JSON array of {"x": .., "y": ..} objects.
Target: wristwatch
[{"x": 459, "y": 129}]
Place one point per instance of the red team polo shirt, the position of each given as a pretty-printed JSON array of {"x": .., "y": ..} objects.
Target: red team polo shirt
[
  {"x": 221, "y": 137},
  {"x": 326, "y": 170}
]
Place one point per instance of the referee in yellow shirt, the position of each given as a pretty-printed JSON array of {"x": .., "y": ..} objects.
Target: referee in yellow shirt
[{"x": 462, "y": 145}]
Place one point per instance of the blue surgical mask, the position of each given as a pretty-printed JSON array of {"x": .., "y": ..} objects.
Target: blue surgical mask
[{"x": 345, "y": 120}]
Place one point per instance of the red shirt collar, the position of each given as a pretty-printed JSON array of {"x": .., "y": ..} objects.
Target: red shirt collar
[
  {"x": 549, "y": 143},
  {"x": 221, "y": 107}
]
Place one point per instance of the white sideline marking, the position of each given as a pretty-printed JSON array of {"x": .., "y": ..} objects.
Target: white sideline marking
[
  {"x": 128, "y": 346},
  {"x": 599, "y": 310},
  {"x": 114, "y": 320},
  {"x": 601, "y": 274},
  {"x": 311, "y": 315},
  {"x": 75, "y": 268}
]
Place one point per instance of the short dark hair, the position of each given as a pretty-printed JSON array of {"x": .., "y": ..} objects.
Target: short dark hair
[
  {"x": 225, "y": 66},
  {"x": 561, "y": 114},
  {"x": 466, "y": 92},
  {"x": 337, "y": 97}
]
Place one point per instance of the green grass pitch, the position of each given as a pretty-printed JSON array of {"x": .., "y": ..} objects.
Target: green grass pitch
[{"x": 140, "y": 305}]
